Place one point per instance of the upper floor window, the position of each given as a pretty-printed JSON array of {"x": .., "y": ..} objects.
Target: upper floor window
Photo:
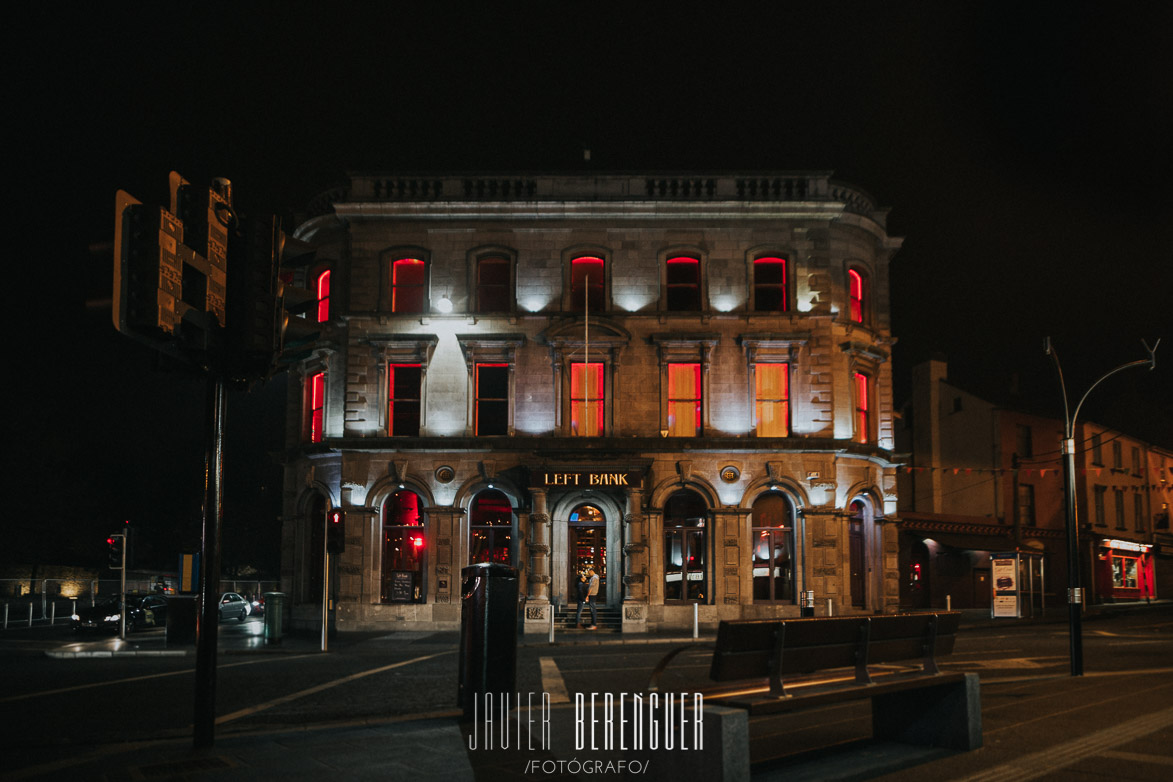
[
  {"x": 408, "y": 282},
  {"x": 770, "y": 284},
  {"x": 1117, "y": 455},
  {"x": 1023, "y": 445},
  {"x": 1119, "y": 508},
  {"x": 1100, "y": 493},
  {"x": 492, "y": 399},
  {"x": 494, "y": 284},
  {"x": 587, "y": 288},
  {"x": 323, "y": 296},
  {"x": 772, "y": 400},
  {"x": 856, "y": 292},
  {"x": 1097, "y": 449},
  {"x": 1135, "y": 460},
  {"x": 683, "y": 284},
  {"x": 863, "y": 412},
  {"x": 315, "y": 406},
  {"x": 1026, "y": 504},
  {"x": 586, "y": 399},
  {"x": 403, "y": 399},
  {"x": 684, "y": 400}
]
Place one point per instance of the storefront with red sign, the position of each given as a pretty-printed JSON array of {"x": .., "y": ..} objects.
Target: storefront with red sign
[{"x": 1124, "y": 570}]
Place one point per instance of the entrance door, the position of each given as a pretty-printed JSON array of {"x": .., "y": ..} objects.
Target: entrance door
[
  {"x": 858, "y": 562},
  {"x": 588, "y": 548}
]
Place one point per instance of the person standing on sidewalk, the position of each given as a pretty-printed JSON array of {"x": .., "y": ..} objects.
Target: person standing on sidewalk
[
  {"x": 592, "y": 596},
  {"x": 581, "y": 586}
]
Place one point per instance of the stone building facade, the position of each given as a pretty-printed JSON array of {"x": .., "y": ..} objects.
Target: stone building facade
[{"x": 682, "y": 381}]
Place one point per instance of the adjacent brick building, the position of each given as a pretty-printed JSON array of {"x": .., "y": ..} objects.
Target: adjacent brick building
[{"x": 683, "y": 381}]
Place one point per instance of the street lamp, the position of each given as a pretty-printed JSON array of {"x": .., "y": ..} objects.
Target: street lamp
[{"x": 1074, "y": 592}]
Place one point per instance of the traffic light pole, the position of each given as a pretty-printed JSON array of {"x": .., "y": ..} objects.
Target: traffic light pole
[
  {"x": 209, "y": 602},
  {"x": 122, "y": 595}
]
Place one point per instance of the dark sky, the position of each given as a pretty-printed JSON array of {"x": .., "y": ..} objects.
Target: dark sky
[{"x": 1024, "y": 153}]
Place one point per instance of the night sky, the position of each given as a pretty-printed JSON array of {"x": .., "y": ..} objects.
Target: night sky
[{"x": 1025, "y": 155}]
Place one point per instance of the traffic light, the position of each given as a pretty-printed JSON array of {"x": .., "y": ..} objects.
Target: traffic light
[
  {"x": 335, "y": 532},
  {"x": 115, "y": 545},
  {"x": 296, "y": 331},
  {"x": 148, "y": 273},
  {"x": 253, "y": 336}
]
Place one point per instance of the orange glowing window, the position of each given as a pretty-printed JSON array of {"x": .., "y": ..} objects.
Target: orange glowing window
[
  {"x": 769, "y": 284},
  {"x": 316, "y": 395},
  {"x": 403, "y": 400},
  {"x": 586, "y": 284},
  {"x": 407, "y": 285},
  {"x": 684, "y": 400},
  {"x": 586, "y": 399},
  {"x": 772, "y": 399},
  {"x": 863, "y": 421},
  {"x": 684, "y": 284},
  {"x": 855, "y": 295},
  {"x": 492, "y": 399},
  {"x": 324, "y": 296}
]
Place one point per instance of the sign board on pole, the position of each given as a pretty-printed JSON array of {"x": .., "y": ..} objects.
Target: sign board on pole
[{"x": 1004, "y": 583}]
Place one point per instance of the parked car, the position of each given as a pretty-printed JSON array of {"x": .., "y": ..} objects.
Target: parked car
[
  {"x": 141, "y": 611},
  {"x": 233, "y": 605},
  {"x": 257, "y": 605}
]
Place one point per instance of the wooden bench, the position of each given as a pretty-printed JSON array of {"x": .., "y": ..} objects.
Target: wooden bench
[{"x": 780, "y": 665}]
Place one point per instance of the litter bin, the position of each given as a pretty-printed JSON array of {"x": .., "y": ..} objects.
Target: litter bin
[
  {"x": 808, "y": 603},
  {"x": 488, "y": 634},
  {"x": 181, "y": 620},
  {"x": 274, "y": 617}
]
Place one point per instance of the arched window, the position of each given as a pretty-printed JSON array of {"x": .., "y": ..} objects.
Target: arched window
[
  {"x": 683, "y": 284},
  {"x": 315, "y": 407},
  {"x": 404, "y": 548},
  {"x": 323, "y": 295},
  {"x": 586, "y": 284},
  {"x": 408, "y": 280},
  {"x": 494, "y": 289},
  {"x": 491, "y": 528},
  {"x": 863, "y": 407},
  {"x": 685, "y": 571},
  {"x": 861, "y": 512},
  {"x": 773, "y": 548},
  {"x": 856, "y": 290},
  {"x": 769, "y": 284}
]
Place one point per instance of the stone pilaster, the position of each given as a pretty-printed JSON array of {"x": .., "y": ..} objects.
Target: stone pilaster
[
  {"x": 537, "y": 604},
  {"x": 635, "y": 564},
  {"x": 732, "y": 584},
  {"x": 445, "y": 573}
]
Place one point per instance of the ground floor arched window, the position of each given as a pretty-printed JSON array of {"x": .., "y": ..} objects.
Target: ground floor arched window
[
  {"x": 774, "y": 518},
  {"x": 685, "y": 568},
  {"x": 404, "y": 548},
  {"x": 491, "y": 528},
  {"x": 857, "y": 523}
]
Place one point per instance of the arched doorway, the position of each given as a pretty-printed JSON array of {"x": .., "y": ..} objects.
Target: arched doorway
[
  {"x": 773, "y": 548},
  {"x": 587, "y": 534},
  {"x": 857, "y": 523}
]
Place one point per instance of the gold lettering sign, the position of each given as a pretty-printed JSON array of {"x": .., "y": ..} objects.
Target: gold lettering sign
[{"x": 591, "y": 479}]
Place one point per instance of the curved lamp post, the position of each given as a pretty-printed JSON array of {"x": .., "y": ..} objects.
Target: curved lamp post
[{"x": 1074, "y": 592}]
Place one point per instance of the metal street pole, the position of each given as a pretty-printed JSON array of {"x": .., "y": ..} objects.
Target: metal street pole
[
  {"x": 207, "y": 615},
  {"x": 1074, "y": 591}
]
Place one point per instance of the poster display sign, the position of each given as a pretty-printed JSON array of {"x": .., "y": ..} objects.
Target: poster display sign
[{"x": 1004, "y": 602}]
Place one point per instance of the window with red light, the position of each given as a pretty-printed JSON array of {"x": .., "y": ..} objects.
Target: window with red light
[
  {"x": 772, "y": 400},
  {"x": 404, "y": 548},
  {"x": 492, "y": 399},
  {"x": 685, "y": 571},
  {"x": 493, "y": 284},
  {"x": 491, "y": 528},
  {"x": 769, "y": 284},
  {"x": 403, "y": 399},
  {"x": 586, "y": 284},
  {"x": 323, "y": 296},
  {"x": 1125, "y": 572},
  {"x": 684, "y": 400},
  {"x": 408, "y": 277},
  {"x": 772, "y": 539},
  {"x": 586, "y": 399},
  {"x": 683, "y": 284},
  {"x": 863, "y": 419},
  {"x": 855, "y": 295},
  {"x": 315, "y": 406}
]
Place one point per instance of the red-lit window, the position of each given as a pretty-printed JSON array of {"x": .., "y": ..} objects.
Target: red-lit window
[
  {"x": 324, "y": 296},
  {"x": 493, "y": 284},
  {"x": 863, "y": 421},
  {"x": 684, "y": 284},
  {"x": 684, "y": 400},
  {"x": 404, "y": 547},
  {"x": 772, "y": 399},
  {"x": 1125, "y": 571},
  {"x": 403, "y": 400},
  {"x": 586, "y": 284},
  {"x": 491, "y": 528},
  {"x": 855, "y": 295},
  {"x": 492, "y": 399},
  {"x": 769, "y": 284},
  {"x": 586, "y": 399},
  {"x": 407, "y": 285},
  {"x": 316, "y": 406}
]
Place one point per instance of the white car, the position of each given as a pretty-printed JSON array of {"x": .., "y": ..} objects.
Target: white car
[{"x": 233, "y": 605}]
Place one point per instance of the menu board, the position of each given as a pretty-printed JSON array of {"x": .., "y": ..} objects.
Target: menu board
[{"x": 401, "y": 586}]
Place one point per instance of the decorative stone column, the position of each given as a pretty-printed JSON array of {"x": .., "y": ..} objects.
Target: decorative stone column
[
  {"x": 635, "y": 564},
  {"x": 729, "y": 587},
  {"x": 538, "y": 610}
]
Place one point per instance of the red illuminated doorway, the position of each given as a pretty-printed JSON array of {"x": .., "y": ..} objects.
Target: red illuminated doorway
[{"x": 588, "y": 548}]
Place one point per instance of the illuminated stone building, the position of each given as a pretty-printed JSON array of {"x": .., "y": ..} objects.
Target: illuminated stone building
[{"x": 683, "y": 381}]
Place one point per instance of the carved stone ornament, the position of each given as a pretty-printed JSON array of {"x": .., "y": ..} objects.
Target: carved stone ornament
[
  {"x": 535, "y": 612},
  {"x": 445, "y": 474},
  {"x": 633, "y": 613}
]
